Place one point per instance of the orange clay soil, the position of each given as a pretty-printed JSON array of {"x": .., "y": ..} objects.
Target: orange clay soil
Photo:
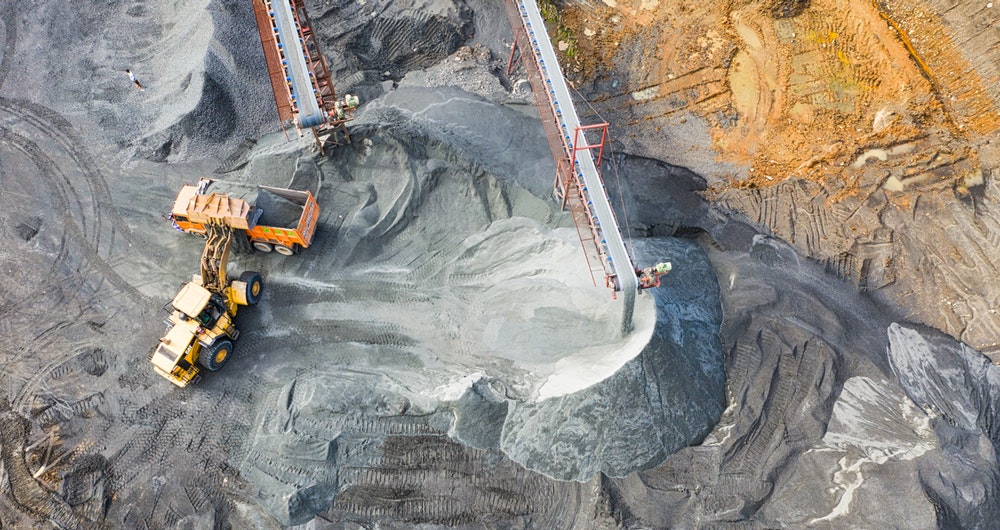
[{"x": 814, "y": 90}]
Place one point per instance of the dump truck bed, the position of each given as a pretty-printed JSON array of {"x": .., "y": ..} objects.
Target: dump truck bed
[
  {"x": 289, "y": 217},
  {"x": 277, "y": 216}
]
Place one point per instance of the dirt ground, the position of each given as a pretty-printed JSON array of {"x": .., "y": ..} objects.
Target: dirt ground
[
  {"x": 802, "y": 89},
  {"x": 845, "y": 128}
]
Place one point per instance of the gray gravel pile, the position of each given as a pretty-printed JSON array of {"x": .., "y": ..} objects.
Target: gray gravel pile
[{"x": 440, "y": 356}]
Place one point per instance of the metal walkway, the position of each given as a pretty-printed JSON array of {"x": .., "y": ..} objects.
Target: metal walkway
[{"x": 578, "y": 180}]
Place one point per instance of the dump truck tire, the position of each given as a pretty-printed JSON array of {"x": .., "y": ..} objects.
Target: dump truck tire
[
  {"x": 283, "y": 250},
  {"x": 262, "y": 247},
  {"x": 215, "y": 356},
  {"x": 255, "y": 286}
]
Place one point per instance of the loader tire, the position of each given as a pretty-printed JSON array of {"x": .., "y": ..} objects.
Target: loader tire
[
  {"x": 255, "y": 286},
  {"x": 214, "y": 357}
]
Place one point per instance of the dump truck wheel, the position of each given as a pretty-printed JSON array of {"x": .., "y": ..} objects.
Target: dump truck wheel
[
  {"x": 263, "y": 247},
  {"x": 215, "y": 356},
  {"x": 283, "y": 250},
  {"x": 200, "y": 235},
  {"x": 255, "y": 286}
]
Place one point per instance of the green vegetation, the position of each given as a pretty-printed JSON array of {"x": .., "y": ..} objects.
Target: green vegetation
[{"x": 552, "y": 16}]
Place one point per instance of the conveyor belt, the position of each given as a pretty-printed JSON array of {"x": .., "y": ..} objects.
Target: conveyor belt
[
  {"x": 605, "y": 227},
  {"x": 293, "y": 60}
]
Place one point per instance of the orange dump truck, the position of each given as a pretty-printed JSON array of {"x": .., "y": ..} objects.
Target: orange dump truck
[{"x": 278, "y": 219}]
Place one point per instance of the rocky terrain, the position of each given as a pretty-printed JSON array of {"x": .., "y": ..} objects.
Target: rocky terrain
[{"x": 819, "y": 173}]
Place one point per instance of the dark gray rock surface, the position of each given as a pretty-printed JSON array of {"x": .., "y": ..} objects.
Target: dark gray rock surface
[{"x": 402, "y": 372}]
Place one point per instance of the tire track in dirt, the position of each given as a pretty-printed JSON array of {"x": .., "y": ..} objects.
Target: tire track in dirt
[
  {"x": 89, "y": 216},
  {"x": 51, "y": 173},
  {"x": 801, "y": 360},
  {"x": 672, "y": 98},
  {"x": 413, "y": 479},
  {"x": 877, "y": 238},
  {"x": 194, "y": 432},
  {"x": 49, "y": 281},
  {"x": 378, "y": 337},
  {"x": 53, "y": 125},
  {"x": 349, "y": 287},
  {"x": 382, "y": 469},
  {"x": 72, "y": 233},
  {"x": 956, "y": 85},
  {"x": 63, "y": 397},
  {"x": 9, "y": 17},
  {"x": 26, "y": 492}
]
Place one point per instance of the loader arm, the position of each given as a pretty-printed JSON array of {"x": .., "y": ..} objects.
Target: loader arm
[{"x": 215, "y": 256}]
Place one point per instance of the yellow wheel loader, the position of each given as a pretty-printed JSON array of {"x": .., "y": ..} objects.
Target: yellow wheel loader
[{"x": 200, "y": 329}]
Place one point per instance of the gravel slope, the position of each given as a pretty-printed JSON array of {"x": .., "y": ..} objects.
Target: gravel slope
[{"x": 439, "y": 357}]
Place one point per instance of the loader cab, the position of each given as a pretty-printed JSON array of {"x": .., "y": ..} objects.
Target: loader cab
[
  {"x": 213, "y": 310},
  {"x": 175, "y": 355},
  {"x": 194, "y": 301}
]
